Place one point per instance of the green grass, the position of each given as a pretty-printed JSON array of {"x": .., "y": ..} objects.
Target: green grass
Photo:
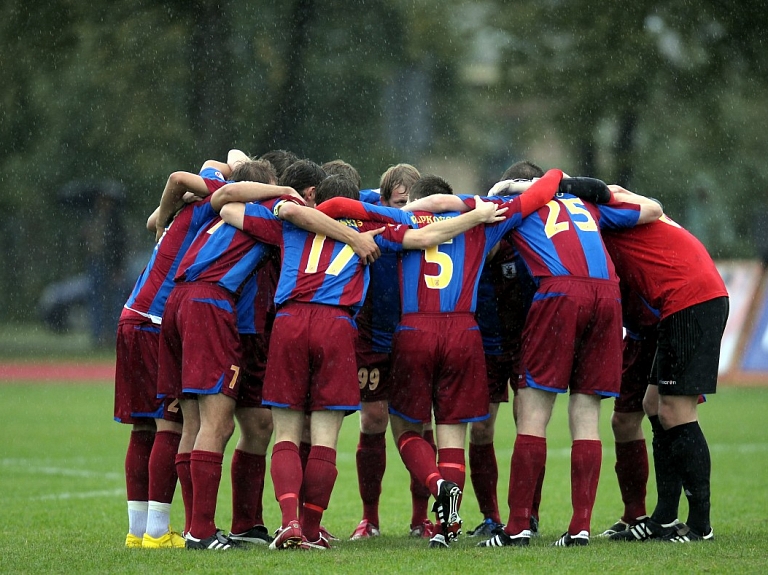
[{"x": 63, "y": 509}]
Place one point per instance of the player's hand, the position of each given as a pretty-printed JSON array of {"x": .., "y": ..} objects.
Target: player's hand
[
  {"x": 366, "y": 247},
  {"x": 489, "y": 212},
  {"x": 510, "y": 187},
  {"x": 189, "y": 198}
]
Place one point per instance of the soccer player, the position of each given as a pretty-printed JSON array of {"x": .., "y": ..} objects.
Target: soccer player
[
  {"x": 311, "y": 364},
  {"x": 641, "y": 328},
  {"x": 376, "y": 323},
  {"x": 150, "y": 471},
  {"x": 504, "y": 296},
  {"x": 676, "y": 278},
  {"x": 437, "y": 350},
  {"x": 255, "y": 315},
  {"x": 201, "y": 315}
]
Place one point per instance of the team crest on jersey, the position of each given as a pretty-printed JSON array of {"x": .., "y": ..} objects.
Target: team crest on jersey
[{"x": 509, "y": 271}]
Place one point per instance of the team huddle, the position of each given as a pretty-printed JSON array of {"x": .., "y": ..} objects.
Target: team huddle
[{"x": 282, "y": 297}]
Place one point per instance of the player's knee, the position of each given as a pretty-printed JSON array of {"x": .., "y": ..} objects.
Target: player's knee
[
  {"x": 627, "y": 426},
  {"x": 481, "y": 433}
]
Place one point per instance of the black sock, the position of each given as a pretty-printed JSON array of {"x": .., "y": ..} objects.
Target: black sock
[
  {"x": 691, "y": 453},
  {"x": 668, "y": 480}
]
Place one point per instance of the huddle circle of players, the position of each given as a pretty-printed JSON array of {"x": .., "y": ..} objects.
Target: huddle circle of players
[{"x": 282, "y": 297}]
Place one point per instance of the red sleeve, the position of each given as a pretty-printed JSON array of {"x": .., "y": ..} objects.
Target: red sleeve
[
  {"x": 343, "y": 208},
  {"x": 540, "y": 192}
]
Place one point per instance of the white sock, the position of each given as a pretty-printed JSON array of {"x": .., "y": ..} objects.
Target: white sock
[
  {"x": 137, "y": 518},
  {"x": 158, "y": 518}
]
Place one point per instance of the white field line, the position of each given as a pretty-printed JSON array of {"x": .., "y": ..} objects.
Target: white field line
[
  {"x": 84, "y": 495},
  {"x": 29, "y": 467}
]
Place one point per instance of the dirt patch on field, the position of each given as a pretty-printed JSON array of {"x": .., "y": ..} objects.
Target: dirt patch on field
[{"x": 43, "y": 372}]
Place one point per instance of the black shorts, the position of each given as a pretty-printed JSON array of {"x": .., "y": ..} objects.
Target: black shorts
[{"x": 688, "y": 352}]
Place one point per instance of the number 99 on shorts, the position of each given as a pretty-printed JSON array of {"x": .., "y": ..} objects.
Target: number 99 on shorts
[{"x": 368, "y": 378}]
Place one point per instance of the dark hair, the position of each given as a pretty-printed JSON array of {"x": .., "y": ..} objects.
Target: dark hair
[
  {"x": 342, "y": 168},
  {"x": 302, "y": 174},
  {"x": 254, "y": 171},
  {"x": 427, "y": 186},
  {"x": 398, "y": 175},
  {"x": 280, "y": 159},
  {"x": 336, "y": 186},
  {"x": 522, "y": 170}
]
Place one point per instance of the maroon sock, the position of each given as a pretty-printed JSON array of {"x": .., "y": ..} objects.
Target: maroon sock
[
  {"x": 162, "y": 466},
  {"x": 137, "y": 465},
  {"x": 205, "y": 469},
  {"x": 419, "y": 458},
  {"x": 528, "y": 458},
  {"x": 419, "y": 501},
  {"x": 632, "y": 473},
  {"x": 537, "y": 493},
  {"x": 586, "y": 458},
  {"x": 484, "y": 474},
  {"x": 185, "y": 481},
  {"x": 247, "y": 474},
  {"x": 321, "y": 471},
  {"x": 304, "y": 449},
  {"x": 286, "y": 477},
  {"x": 371, "y": 458},
  {"x": 450, "y": 464}
]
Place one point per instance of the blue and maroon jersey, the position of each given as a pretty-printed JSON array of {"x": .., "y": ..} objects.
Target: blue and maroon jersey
[
  {"x": 156, "y": 281},
  {"x": 666, "y": 265},
  {"x": 562, "y": 238},
  {"x": 315, "y": 268},
  {"x": 380, "y": 313},
  {"x": 503, "y": 298},
  {"x": 223, "y": 255},
  {"x": 371, "y": 196},
  {"x": 444, "y": 278}
]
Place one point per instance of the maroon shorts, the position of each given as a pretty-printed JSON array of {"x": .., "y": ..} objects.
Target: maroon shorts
[
  {"x": 637, "y": 363},
  {"x": 438, "y": 363},
  {"x": 199, "y": 342},
  {"x": 502, "y": 373},
  {"x": 254, "y": 362},
  {"x": 373, "y": 371},
  {"x": 311, "y": 362},
  {"x": 572, "y": 337},
  {"x": 138, "y": 341}
]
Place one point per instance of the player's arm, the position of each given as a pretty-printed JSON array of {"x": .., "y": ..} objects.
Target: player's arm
[
  {"x": 317, "y": 222},
  {"x": 234, "y": 157},
  {"x": 650, "y": 210},
  {"x": 444, "y": 230},
  {"x": 249, "y": 192},
  {"x": 437, "y": 203},
  {"x": 172, "y": 200}
]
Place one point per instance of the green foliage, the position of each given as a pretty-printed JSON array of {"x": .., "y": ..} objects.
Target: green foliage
[
  {"x": 666, "y": 97},
  {"x": 63, "y": 497}
]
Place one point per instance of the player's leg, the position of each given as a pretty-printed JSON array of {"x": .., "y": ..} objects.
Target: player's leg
[
  {"x": 528, "y": 458},
  {"x": 631, "y": 468},
  {"x": 286, "y": 472},
  {"x": 320, "y": 474},
  {"x": 371, "y": 461},
  {"x": 586, "y": 460},
  {"x": 689, "y": 450},
  {"x": 248, "y": 470},
  {"x": 162, "y": 484},
  {"x": 484, "y": 472},
  {"x": 189, "y": 431},
  {"x": 137, "y": 479},
  {"x": 216, "y": 427}
]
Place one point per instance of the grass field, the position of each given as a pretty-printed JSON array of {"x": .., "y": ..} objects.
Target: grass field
[{"x": 63, "y": 510}]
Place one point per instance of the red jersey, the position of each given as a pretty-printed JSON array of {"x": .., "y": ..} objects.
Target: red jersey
[{"x": 665, "y": 264}]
